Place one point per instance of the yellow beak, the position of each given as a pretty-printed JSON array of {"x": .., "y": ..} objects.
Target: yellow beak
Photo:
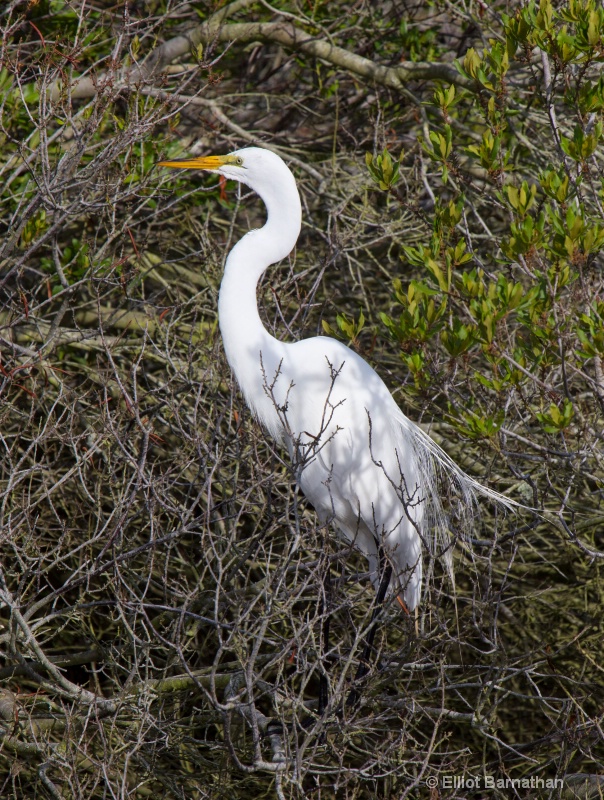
[{"x": 205, "y": 162}]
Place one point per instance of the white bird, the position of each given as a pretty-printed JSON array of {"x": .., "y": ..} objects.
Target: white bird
[{"x": 359, "y": 460}]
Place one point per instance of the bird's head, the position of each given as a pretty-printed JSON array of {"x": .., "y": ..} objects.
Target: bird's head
[
  {"x": 253, "y": 166},
  {"x": 265, "y": 173}
]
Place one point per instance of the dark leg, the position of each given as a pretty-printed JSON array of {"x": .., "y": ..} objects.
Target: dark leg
[{"x": 364, "y": 661}]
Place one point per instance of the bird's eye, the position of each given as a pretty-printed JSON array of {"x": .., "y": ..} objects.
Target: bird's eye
[{"x": 239, "y": 161}]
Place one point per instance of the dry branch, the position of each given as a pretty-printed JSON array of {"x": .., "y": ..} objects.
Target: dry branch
[{"x": 283, "y": 33}]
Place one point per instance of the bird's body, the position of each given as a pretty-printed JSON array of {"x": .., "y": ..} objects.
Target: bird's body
[
  {"x": 359, "y": 460},
  {"x": 353, "y": 463}
]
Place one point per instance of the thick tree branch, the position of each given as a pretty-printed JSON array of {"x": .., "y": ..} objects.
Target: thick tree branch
[
  {"x": 288, "y": 36},
  {"x": 293, "y": 38}
]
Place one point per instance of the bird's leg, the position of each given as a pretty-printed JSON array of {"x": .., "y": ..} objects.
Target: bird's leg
[
  {"x": 363, "y": 667},
  {"x": 364, "y": 660},
  {"x": 325, "y": 619}
]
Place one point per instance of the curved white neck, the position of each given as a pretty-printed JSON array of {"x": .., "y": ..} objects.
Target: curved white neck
[{"x": 249, "y": 347}]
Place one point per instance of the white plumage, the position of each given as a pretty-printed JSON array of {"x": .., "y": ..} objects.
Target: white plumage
[{"x": 359, "y": 460}]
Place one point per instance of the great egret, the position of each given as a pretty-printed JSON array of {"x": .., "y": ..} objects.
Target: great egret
[{"x": 359, "y": 460}]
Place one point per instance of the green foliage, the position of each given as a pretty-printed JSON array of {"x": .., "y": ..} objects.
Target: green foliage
[
  {"x": 439, "y": 148},
  {"x": 555, "y": 419},
  {"x": 349, "y": 327},
  {"x": 489, "y": 153},
  {"x": 446, "y": 97},
  {"x": 417, "y": 44},
  {"x": 420, "y": 318},
  {"x": 591, "y": 331},
  {"x": 475, "y": 426},
  {"x": 556, "y": 184},
  {"x": 511, "y": 317},
  {"x": 582, "y": 145},
  {"x": 383, "y": 169},
  {"x": 542, "y": 25}
]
